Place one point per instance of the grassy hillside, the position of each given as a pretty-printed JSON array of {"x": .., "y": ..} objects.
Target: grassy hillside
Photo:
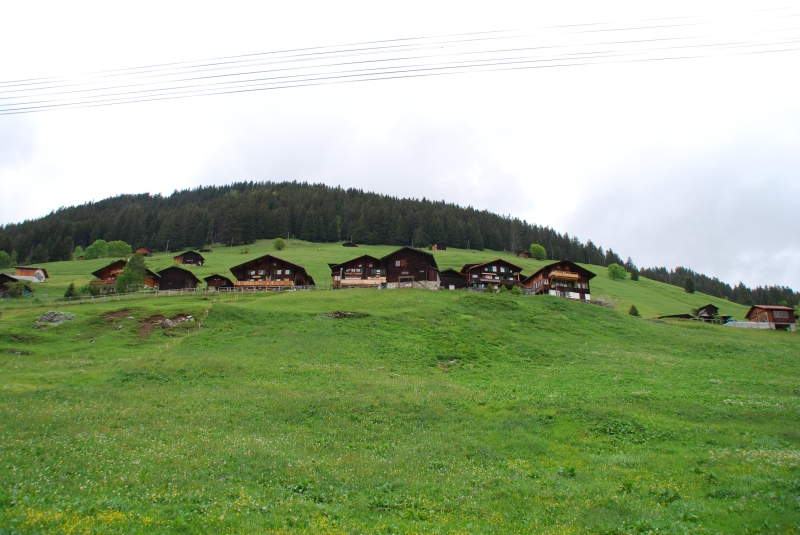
[
  {"x": 650, "y": 297},
  {"x": 436, "y": 412}
]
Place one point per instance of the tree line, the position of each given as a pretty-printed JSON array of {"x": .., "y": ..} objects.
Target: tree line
[{"x": 243, "y": 212}]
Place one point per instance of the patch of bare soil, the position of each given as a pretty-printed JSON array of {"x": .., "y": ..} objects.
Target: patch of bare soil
[
  {"x": 340, "y": 314},
  {"x": 148, "y": 324},
  {"x": 159, "y": 321},
  {"x": 117, "y": 314}
]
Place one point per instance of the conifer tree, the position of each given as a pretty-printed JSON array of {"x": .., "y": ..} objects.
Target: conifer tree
[{"x": 688, "y": 285}]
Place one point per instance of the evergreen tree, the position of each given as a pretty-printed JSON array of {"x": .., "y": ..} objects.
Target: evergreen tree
[
  {"x": 71, "y": 291},
  {"x": 633, "y": 311},
  {"x": 132, "y": 278},
  {"x": 688, "y": 285},
  {"x": 78, "y": 252},
  {"x": 634, "y": 274},
  {"x": 5, "y": 260}
]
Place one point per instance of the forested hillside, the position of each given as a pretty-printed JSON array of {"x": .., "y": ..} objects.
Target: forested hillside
[{"x": 241, "y": 213}]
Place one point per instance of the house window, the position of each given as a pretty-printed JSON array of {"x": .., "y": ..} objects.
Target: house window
[
  {"x": 780, "y": 314},
  {"x": 253, "y": 272},
  {"x": 370, "y": 264},
  {"x": 288, "y": 272},
  {"x": 396, "y": 263},
  {"x": 502, "y": 269},
  {"x": 260, "y": 272},
  {"x": 279, "y": 271}
]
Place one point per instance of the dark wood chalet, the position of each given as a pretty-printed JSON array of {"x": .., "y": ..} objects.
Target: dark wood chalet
[
  {"x": 177, "y": 278},
  {"x": 408, "y": 265},
  {"x": 205, "y": 250},
  {"x": 107, "y": 277},
  {"x": 268, "y": 272},
  {"x": 496, "y": 273},
  {"x": 5, "y": 278},
  {"x": 363, "y": 272},
  {"x": 349, "y": 244},
  {"x": 452, "y": 279},
  {"x": 707, "y": 312},
  {"x": 439, "y": 246},
  {"x": 562, "y": 279},
  {"x": 143, "y": 251},
  {"x": 778, "y": 317},
  {"x": 525, "y": 254},
  {"x": 216, "y": 281},
  {"x": 190, "y": 258},
  {"x": 31, "y": 274}
]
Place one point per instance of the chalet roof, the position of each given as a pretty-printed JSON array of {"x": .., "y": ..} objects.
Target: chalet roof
[
  {"x": 176, "y": 268},
  {"x": 467, "y": 267},
  {"x": 116, "y": 264},
  {"x": 768, "y": 307},
  {"x": 571, "y": 264},
  {"x": 365, "y": 257},
  {"x": 269, "y": 258},
  {"x": 5, "y": 278},
  {"x": 188, "y": 252},
  {"x": 349, "y": 244},
  {"x": 46, "y": 276},
  {"x": 450, "y": 272},
  {"x": 143, "y": 247},
  {"x": 708, "y": 306},
  {"x": 431, "y": 259},
  {"x": 218, "y": 276}
]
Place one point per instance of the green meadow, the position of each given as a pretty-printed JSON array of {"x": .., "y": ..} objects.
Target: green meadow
[{"x": 427, "y": 412}]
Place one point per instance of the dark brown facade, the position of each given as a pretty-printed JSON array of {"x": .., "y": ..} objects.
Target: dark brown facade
[
  {"x": 177, "y": 278},
  {"x": 216, "y": 281},
  {"x": 779, "y": 317},
  {"x": 439, "y": 246},
  {"x": 408, "y": 265},
  {"x": 190, "y": 258},
  {"x": 496, "y": 273},
  {"x": 450, "y": 279},
  {"x": 107, "y": 276},
  {"x": 270, "y": 272},
  {"x": 363, "y": 272},
  {"x": 562, "y": 279},
  {"x": 143, "y": 251},
  {"x": 349, "y": 244},
  {"x": 5, "y": 278}
]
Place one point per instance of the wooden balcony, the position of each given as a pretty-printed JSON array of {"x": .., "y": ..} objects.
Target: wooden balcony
[
  {"x": 362, "y": 283},
  {"x": 564, "y": 275},
  {"x": 262, "y": 284}
]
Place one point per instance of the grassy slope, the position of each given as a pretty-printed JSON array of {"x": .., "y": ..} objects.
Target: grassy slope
[
  {"x": 438, "y": 412},
  {"x": 650, "y": 297}
]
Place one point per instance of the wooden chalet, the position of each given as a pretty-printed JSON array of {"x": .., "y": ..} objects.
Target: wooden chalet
[
  {"x": 452, "y": 279},
  {"x": 107, "y": 277},
  {"x": 525, "y": 254},
  {"x": 777, "y": 317},
  {"x": 408, "y": 267},
  {"x": 30, "y": 273},
  {"x": 495, "y": 273},
  {"x": 270, "y": 272},
  {"x": 190, "y": 258},
  {"x": 205, "y": 250},
  {"x": 144, "y": 251},
  {"x": 562, "y": 279},
  {"x": 177, "y": 278},
  {"x": 349, "y": 244},
  {"x": 439, "y": 246},
  {"x": 216, "y": 281},
  {"x": 5, "y": 278},
  {"x": 363, "y": 272}
]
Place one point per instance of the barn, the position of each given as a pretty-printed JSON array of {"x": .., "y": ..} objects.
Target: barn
[
  {"x": 496, "y": 273},
  {"x": 144, "y": 251},
  {"x": 408, "y": 267},
  {"x": 363, "y": 272},
  {"x": 215, "y": 282},
  {"x": 5, "y": 278},
  {"x": 450, "y": 279},
  {"x": 270, "y": 272},
  {"x": 776, "y": 317},
  {"x": 30, "y": 274},
  {"x": 562, "y": 279},
  {"x": 177, "y": 278},
  {"x": 190, "y": 258},
  {"x": 439, "y": 246},
  {"x": 107, "y": 276},
  {"x": 349, "y": 244}
]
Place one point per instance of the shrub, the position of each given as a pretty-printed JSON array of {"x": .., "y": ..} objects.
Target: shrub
[
  {"x": 15, "y": 289},
  {"x": 616, "y": 272},
  {"x": 78, "y": 252},
  {"x": 488, "y": 289},
  {"x": 538, "y": 252},
  {"x": 71, "y": 291},
  {"x": 633, "y": 311},
  {"x": 688, "y": 285},
  {"x": 132, "y": 278},
  {"x": 119, "y": 249},
  {"x": 515, "y": 290},
  {"x": 5, "y": 260},
  {"x": 88, "y": 289},
  {"x": 503, "y": 289},
  {"x": 634, "y": 274},
  {"x": 280, "y": 244},
  {"x": 99, "y": 249}
]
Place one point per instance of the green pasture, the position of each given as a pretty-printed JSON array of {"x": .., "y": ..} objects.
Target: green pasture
[
  {"x": 650, "y": 297},
  {"x": 431, "y": 412}
]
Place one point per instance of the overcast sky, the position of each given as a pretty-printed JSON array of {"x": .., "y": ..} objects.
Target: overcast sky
[{"x": 692, "y": 162}]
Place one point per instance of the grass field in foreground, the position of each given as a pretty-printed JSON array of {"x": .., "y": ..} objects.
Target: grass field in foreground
[
  {"x": 437, "y": 412},
  {"x": 650, "y": 297}
]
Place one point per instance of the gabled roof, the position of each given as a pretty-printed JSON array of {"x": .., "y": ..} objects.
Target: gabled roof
[
  {"x": 46, "y": 276},
  {"x": 769, "y": 307},
  {"x": 267, "y": 257},
  {"x": 571, "y": 264},
  {"x": 142, "y": 247},
  {"x": 365, "y": 256},
  {"x": 218, "y": 276},
  {"x": 176, "y": 268},
  {"x": 467, "y": 267},
  {"x": 116, "y": 264},
  {"x": 349, "y": 244},
  {"x": 450, "y": 272},
  {"x": 704, "y": 307},
  {"x": 6, "y": 278},
  {"x": 187, "y": 252},
  {"x": 414, "y": 250}
]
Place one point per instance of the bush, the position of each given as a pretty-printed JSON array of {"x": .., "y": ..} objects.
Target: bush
[
  {"x": 99, "y": 249},
  {"x": 503, "y": 289},
  {"x": 16, "y": 289},
  {"x": 488, "y": 289},
  {"x": 119, "y": 249},
  {"x": 78, "y": 252},
  {"x": 634, "y": 274},
  {"x": 280, "y": 244},
  {"x": 71, "y": 291},
  {"x": 5, "y": 260},
  {"x": 538, "y": 252},
  {"x": 132, "y": 278},
  {"x": 616, "y": 272},
  {"x": 688, "y": 285},
  {"x": 633, "y": 311},
  {"x": 515, "y": 290},
  {"x": 88, "y": 289}
]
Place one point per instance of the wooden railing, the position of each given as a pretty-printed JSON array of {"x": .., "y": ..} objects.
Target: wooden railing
[{"x": 261, "y": 284}]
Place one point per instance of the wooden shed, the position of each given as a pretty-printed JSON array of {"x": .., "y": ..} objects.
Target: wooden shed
[
  {"x": 778, "y": 317},
  {"x": 177, "y": 278},
  {"x": 407, "y": 266},
  {"x": 496, "y": 273},
  {"x": 363, "y": 272},
  {"x": 30, "y": 273},
  {"x": 562, "y": 279},
  {"x": 190, "y": 258},
  {"x": 143, "y": 251},
  {"x": 216, "y": 281},
  {"x": 439, "y": 246},
  {"x": 5, "y": 278},
  {"x": 107, "y": 277},
  {"x": 450, "y": 279},
  {"x": 270, "y": 272},
  {"x": 349, "y": 244},
  {"x": 525, "y": 254}
]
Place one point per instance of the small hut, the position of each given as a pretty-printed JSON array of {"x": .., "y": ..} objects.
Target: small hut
[
  {"x": 5, "y": 278},
  {"x": 177, "y": 278},
  {"x": 452, "y": 279},
  {"x": 30, "y": 274},
  {"x": 776, "y": 317},
  {"x": 349, "y": 244},
  {"x": 439, "y": 246},
  {"x": 144, "y": 251},
  {"x": 525, "y": 254},
  {"x": 215, "y": 282},
  {"x": 190, "y": 258}
]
